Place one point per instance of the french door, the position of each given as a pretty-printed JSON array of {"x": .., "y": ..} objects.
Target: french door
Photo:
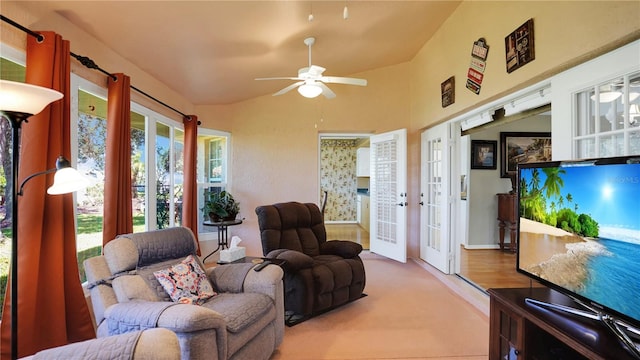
[
  {"x": 435, "y": 196},
  {"x": 388, "y": 193}
]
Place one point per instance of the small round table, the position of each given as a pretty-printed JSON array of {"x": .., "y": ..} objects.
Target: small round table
[{"x": 223, "y": 241}]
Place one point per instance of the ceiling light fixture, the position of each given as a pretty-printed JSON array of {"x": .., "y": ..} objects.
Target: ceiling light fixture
[
  {"x": 345, "y": 12},
  {"x": 607, "y": 96},
  {"x": 310, "y": 90}
]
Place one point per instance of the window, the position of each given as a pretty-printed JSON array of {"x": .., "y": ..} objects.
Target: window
[
  {"x": 608, "y": 118},
  {"x": 155, "y": 139},
  {"x": 215, "y": 155},
  {"x": 212, "y": 174}
]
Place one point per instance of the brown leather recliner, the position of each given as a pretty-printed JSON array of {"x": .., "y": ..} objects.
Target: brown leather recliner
[{"x": 319, "y": 274}]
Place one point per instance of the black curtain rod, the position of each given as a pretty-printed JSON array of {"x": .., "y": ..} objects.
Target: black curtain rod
[{"x": 87, "y": 62}]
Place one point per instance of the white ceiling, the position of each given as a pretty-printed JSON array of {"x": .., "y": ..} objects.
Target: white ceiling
[{"x": 211, "y": 51}]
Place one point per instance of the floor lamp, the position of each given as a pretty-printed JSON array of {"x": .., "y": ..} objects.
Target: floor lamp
[{"x": 19, "y": 101}]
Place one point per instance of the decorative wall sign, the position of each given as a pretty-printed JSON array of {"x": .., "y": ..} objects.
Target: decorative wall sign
[
  {"x": 519, "y": 46},
  {"x": 448, "y": 90},
  {"x": 475, "y": 74}
]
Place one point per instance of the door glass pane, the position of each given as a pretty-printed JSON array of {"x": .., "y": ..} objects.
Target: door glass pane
[
  {"x": 634, "y": 142},
  {"x": 138, "y": 171},
  {"x": 163, "y": 175},
  {"x": 178, "y": 177},
  {"x": 434, "y": 191},
  {"x": 611, "y": 109},
  {"x": 612, "y": 145},
  {"x": 587, "y": 148},
  {"x": 634, "y": 102},
  {"x": 92, "y": 135},
  {"x": 385, "y": 189}
]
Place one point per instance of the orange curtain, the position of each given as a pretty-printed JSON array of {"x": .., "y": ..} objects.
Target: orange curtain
[
  {"x": 190, "y": 190},
  {"x": 118, "y": 213},
  {"x": 52, "y": 310}
]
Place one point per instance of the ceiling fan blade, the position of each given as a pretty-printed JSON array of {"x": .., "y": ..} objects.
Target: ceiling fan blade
[
  {"x": 344, "y": 80},
  {"x": 289, "y": 88},
  {"x": 279, "y": 78},
  {"x": 328, "y": 93}
]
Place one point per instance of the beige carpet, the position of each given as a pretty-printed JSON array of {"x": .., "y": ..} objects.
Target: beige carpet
[{"x": 408, "y": 314}]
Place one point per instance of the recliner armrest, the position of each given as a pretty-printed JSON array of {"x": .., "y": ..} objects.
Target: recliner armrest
[
  {"x": 148, "y": 344},
  {"x": 295, "y": 260},
  {"x": 179, "y": 318},
  {"x": 343, "y": 248},
  {"x": 230, "y": 277}
]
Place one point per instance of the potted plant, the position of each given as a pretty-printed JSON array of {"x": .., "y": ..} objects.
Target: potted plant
[{"x": 221, "y": 206}]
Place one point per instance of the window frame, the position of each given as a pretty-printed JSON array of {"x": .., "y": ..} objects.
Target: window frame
[
  {"x": 622, "y": 61},
  {"x": 585, "y": 113}
]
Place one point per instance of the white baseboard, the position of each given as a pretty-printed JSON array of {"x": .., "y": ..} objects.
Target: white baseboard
[{"x": 483, "y": 247}]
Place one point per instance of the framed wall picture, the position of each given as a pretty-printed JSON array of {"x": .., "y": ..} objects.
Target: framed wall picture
[
  {"x": 519, "y": 46},
  {"x": 483, "y": 154},
  {"x": 522, "y": 147}
]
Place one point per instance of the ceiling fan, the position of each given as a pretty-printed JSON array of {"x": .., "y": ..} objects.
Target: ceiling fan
[{"x": 311, "y": 83}]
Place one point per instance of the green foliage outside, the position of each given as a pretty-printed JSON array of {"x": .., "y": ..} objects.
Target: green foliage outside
[
  {"x": 88, "y": 246},
  {"x": 561, "y": 211}
]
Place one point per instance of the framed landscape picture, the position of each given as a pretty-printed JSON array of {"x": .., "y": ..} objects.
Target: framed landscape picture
[
  {"x": 483, "y": 154},
  {"x": 522, "y": 147}
]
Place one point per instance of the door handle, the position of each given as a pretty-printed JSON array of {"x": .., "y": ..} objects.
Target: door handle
[
  {"x": 403, "y": 204},
  {"x": 421, "y": 203}
]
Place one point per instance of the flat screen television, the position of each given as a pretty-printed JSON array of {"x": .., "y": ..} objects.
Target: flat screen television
[{"x": 579, "y": 234}]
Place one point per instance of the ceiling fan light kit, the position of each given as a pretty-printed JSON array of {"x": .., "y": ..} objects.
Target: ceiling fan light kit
[
  {"x": 311, "y": 83},
  {"x": 309, "y": 90}
]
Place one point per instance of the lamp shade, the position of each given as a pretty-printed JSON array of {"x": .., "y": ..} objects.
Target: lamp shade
[
  {"x": 25, "y": 98},
  {"x": 66, "y": 179},
  {"x": 310, "y": 90}
]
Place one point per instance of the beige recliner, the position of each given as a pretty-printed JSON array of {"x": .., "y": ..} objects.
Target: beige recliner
[{"x": 245, "y": 320}]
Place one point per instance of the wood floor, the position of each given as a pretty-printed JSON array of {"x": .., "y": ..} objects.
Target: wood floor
[
  {"x": 352, "y": 232},
  {"x": 483, "y": 268},
  {"x": 491, "y": 269}
]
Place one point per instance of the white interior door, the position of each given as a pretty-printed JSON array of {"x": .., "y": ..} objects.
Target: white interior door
[
  {"x": 435, "y": 198},
  {"x": 388, "y": 192}
]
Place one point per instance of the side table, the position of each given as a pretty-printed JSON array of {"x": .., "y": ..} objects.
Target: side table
[
  {"x": 508, "y": 214},
  {"x": 223, "y": 227}
]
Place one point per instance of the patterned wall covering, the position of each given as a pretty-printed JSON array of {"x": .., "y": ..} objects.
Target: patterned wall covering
[{"x": 338, "y": 177}]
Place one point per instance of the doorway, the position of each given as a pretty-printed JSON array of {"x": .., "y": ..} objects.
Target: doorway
[
  {"x": 346, "y": 185},
  {"x": 481, "y": 262}
]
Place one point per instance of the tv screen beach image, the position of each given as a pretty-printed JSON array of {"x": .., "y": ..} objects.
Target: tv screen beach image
[{"x": 580, "y": 230}]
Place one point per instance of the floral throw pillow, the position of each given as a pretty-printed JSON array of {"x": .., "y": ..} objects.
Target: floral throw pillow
[{"x": 186, "y": 282}]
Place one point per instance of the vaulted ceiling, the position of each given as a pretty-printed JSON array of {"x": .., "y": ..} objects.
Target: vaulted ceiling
[{"x": 211, "y": 51}]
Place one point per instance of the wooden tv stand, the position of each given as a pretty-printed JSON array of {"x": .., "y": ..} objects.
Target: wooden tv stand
[{"x": 522, "y": 331}]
